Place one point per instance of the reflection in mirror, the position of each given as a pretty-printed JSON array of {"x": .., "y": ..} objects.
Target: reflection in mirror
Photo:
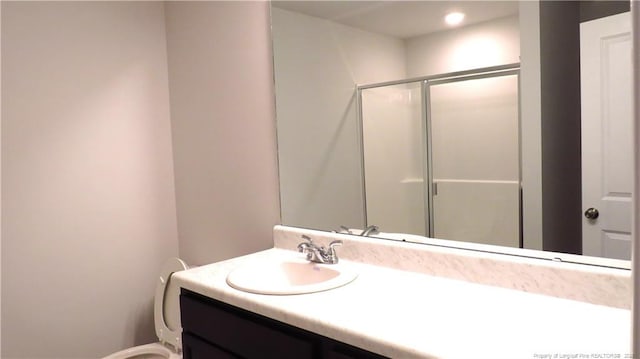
[
  {"x": 426, "y": 131},
  {"x": 372, "y": 129}
]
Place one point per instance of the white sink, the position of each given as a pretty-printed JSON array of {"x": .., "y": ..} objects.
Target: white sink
[{"x": 289, "y": 276}]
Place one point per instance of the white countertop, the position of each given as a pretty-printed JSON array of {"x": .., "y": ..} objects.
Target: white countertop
[{"x": 403, "y": 314}]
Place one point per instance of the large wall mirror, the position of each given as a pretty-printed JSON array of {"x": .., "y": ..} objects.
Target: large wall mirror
[{"x": 509, "y": 128}]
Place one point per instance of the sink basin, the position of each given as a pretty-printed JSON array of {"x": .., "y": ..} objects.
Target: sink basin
[{"x": 290, "y": 276}]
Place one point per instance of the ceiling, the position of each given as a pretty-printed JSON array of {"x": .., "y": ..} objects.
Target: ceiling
[{"x": 402, "y": 19}]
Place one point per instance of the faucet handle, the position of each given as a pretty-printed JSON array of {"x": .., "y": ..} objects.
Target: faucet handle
[
  {"x": 345, "y": 229},
  {"x": 335, "y": 243},
  {"x": 372, "y": 229},
  {"x": 306, "y": 247}
]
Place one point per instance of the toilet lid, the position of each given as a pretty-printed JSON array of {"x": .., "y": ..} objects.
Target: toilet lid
[{"x": 167, "y": 305}]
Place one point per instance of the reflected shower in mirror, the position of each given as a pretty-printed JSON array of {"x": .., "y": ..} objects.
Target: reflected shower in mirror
[
  {"x": 378, "y": 124},
  {"x": 441, "y": 156}
]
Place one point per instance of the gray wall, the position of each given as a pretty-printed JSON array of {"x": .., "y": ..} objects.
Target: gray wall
[
  {"x": 560, "y": 97},
  {"x": 595, "y": 9}
]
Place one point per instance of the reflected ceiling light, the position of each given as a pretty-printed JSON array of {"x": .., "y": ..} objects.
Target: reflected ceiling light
[{"x": 454, "y": 18}]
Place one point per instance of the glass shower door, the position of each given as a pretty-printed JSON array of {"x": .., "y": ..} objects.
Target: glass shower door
[
  {"x": 475, "y": 159},
  {"x": 394, "y": 140}
]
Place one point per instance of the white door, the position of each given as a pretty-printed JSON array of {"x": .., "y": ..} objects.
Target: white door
[{"x": 607, "y": 141}]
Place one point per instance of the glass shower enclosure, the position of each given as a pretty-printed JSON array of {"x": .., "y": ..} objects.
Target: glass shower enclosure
[{"x": 441, "y": 155}]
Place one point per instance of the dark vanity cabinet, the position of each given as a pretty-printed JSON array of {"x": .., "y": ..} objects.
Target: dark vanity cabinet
[{"x": 213, "y": 329}]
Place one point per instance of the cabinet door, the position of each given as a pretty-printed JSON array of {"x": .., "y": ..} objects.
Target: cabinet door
[
  {"x": 243, "y": 333},
  {"x": 338, "y": 350},
  {"x": 210, "y": 325},
  {"x": 194, "y": 348}
]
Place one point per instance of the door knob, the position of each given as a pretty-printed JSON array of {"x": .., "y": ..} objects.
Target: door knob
[{"x": 591, "y": 213}]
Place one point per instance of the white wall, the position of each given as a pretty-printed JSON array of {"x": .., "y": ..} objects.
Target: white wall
[
  {"x": 318, "y": 137},
  {"x": 489, "y": 43},
  {"x": 88, "y": 211},
  {"x": 222, "y": 115}
]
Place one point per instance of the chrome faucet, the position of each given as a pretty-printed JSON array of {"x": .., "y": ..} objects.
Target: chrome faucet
[
  {"x": 343, "y": 229},
  {"x": 319, "y": 254},
  {"x": 372, "y": 229}
]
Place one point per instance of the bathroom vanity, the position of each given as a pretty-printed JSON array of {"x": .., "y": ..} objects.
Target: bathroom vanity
[{"x": 389, "y": 311}]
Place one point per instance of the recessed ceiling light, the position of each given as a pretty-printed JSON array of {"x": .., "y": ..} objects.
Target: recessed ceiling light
[{"x": 454, "y": 18}]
